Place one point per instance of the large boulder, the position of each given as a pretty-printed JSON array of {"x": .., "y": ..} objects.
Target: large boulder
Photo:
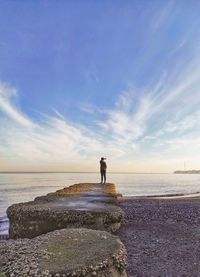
[
  {"x": 67, "y": 252},
  {"x": 90, "y": 206}
]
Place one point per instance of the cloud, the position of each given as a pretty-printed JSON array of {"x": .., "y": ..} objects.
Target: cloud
[
  {"x": 53, "y": 143},
  {"x": 162, "y": 16},
  {"x": 91, "y": 108},
  {"x": 58, "y": 113},
  {"x": 6, "y": 93},
  {"x": 162, "y": 119}
]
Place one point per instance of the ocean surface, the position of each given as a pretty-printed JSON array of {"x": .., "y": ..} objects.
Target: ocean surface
[{"x": 22, "y": 187}]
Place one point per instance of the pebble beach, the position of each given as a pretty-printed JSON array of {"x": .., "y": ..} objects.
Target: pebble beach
[{"x": 162, "y": 236}]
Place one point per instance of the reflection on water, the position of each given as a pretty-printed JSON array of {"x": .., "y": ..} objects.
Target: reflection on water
[{"x": 4, "y": 225}]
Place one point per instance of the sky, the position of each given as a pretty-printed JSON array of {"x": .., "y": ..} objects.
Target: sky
[{"x": 84, "y": 79}]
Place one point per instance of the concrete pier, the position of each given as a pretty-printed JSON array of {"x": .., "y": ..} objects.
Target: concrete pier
[
  {"x": 66, "y": 233},
  {"x": 85, "y": 205}
]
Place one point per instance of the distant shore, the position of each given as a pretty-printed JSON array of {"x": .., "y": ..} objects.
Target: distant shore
[{"x": 187, "y": 171}]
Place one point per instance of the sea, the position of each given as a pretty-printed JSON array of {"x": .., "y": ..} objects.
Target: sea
[{"x": 22, "y": 187}]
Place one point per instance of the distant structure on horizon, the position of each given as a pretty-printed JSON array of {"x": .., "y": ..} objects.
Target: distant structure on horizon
[{"x": 187, "y": 171}]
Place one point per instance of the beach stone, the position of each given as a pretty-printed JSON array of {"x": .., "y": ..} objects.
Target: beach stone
[
  {"x": 87, "y": 205},
  {"x": 66, "y": 252}
]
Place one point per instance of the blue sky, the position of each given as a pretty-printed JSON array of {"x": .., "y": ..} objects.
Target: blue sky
[{"x": 85, "y": 79}]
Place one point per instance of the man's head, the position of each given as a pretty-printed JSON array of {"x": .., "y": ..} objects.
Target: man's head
[{"x": 102, "y": 158}]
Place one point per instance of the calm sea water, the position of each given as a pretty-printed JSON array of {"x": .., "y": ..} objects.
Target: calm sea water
[{"x": 15, "y": 188}]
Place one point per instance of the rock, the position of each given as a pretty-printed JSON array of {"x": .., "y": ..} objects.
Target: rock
[
  {"x": 90, "y": 206},
  {"x": 66, "y": 252}
]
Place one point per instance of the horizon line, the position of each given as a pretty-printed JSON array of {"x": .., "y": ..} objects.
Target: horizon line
[{"x": 93, "y": 172}]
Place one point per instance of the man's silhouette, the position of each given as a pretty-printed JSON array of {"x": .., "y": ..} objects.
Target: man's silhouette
[{"x": 103, "y": 167}]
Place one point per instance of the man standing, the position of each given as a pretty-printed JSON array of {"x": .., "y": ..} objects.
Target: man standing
[{"x": 103, "y": 168}]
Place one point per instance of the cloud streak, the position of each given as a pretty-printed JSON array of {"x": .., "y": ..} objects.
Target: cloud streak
[{"x": 6, "y": 93}]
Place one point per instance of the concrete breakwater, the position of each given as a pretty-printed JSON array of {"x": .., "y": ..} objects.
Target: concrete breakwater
[
  {"x": 91, "y": 206},
  {"x": 66, "y": 233}
]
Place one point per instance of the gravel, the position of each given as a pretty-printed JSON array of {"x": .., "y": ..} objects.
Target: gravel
[{"x": 162, "y": 237}]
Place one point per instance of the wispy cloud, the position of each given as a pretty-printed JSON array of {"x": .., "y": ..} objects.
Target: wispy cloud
[
  {"x": 162, "y": 16},
  {"x": 6, "y": 93},
  {"x": 55, "y": 143},
  {"x": 164, "y": 118}
]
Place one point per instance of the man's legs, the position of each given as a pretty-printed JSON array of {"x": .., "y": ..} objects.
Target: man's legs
[{"x": 104, "y": 176}]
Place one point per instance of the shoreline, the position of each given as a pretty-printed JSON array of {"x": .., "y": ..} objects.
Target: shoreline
[
  {"x": 4, "y": 230},
  {"x": 165, "y": 196}
]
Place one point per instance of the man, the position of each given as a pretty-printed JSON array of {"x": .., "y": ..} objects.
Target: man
[{"x": 103, "y": 168}]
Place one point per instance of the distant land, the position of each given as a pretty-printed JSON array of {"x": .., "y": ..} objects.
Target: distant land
[{"x": 187, "y": 171}]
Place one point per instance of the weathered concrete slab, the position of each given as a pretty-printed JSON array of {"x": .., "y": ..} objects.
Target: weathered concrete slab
[
  {"x": 67, "y": 252},
  {"x": 90, "y": 206},
  {"x": 108, "y": 189}
]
